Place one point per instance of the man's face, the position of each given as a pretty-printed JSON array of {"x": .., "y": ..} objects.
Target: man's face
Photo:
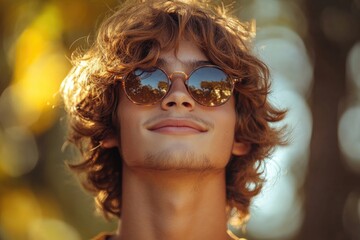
[{"x": 177, "y": 132}]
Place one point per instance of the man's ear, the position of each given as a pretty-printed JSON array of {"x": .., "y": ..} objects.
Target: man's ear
[
  {"x": 110, "y": 142},
  {"x": 240, "y": 149}
]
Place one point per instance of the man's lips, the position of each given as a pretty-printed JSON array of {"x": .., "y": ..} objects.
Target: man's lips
[{"x": 180, "y": 126}]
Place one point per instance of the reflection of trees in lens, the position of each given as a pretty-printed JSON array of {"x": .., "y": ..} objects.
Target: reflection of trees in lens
[
  {"x": 163, "y": 87},
  {"x": 142, "y": 90},
  {"x": 212, "y": 93}
]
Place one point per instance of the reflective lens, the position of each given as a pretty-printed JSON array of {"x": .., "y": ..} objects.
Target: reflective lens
[
  {"x": 208, "y": 85},
  {"x": 147, "y": 87}
]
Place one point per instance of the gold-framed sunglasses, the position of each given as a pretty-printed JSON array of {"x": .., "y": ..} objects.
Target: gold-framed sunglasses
[{"x": 208, "y": 85}]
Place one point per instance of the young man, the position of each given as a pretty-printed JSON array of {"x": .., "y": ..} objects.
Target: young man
[{"x": 169, "y": 110}]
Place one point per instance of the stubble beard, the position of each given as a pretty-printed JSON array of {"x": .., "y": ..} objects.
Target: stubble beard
[{"x": 185, "y": 161}]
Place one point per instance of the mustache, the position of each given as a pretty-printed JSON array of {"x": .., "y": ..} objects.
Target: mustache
[{"x": 186, "y": 116}]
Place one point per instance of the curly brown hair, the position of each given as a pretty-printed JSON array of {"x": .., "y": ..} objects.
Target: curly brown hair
[{"x": 133, "y": 37}]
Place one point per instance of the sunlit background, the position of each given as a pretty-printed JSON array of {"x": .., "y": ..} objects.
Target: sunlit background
[{"x": 313, "y": 186}]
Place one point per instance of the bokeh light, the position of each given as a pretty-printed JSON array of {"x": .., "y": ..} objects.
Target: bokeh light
[
  {"x": 34, "y": 54},
  {"x": 44, "y": 229},
  {"x": 352, "y": 65},
  {"x": 349, "y": 123},
  {"x": 277, "y": 206},
  {"x": 39, "y": 68},
  {"x": 18, "y": 151},
  {"x": 349, "y": 136},
  {"x": 274, "y": 13},
  {"x": 18, "y": 210},
  {"x": 279, "y": 43},
  {"x": 284, "y": 52},
  {"x": 299, "y": 124}
]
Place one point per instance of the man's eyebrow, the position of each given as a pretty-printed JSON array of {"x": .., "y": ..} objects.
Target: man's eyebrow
[{"x": 192, "y": 64}]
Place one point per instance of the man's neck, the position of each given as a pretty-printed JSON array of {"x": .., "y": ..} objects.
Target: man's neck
[{"x": 173, "y": 205}]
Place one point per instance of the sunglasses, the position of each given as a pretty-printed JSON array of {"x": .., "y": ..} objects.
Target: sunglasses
[{"x": 208, "y": 85}]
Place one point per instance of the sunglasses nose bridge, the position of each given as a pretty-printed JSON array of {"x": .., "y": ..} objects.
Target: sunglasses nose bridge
[{"x": 178, "y": 74}]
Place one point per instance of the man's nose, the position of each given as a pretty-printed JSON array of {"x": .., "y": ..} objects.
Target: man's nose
[{"x": 178, "y": 95}]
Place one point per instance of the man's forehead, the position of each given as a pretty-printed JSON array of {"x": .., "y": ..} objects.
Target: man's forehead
[
  {"x": 185, "y": 57},
  {"x": 188, "y": 65}
]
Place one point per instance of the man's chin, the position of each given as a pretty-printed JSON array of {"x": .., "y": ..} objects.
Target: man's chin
[{"x": 176, "y": 160}]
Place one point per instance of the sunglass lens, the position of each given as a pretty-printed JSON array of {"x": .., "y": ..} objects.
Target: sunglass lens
[
  {"x": 146, "y": 87},
  {"x": 210, "y": 86}
]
